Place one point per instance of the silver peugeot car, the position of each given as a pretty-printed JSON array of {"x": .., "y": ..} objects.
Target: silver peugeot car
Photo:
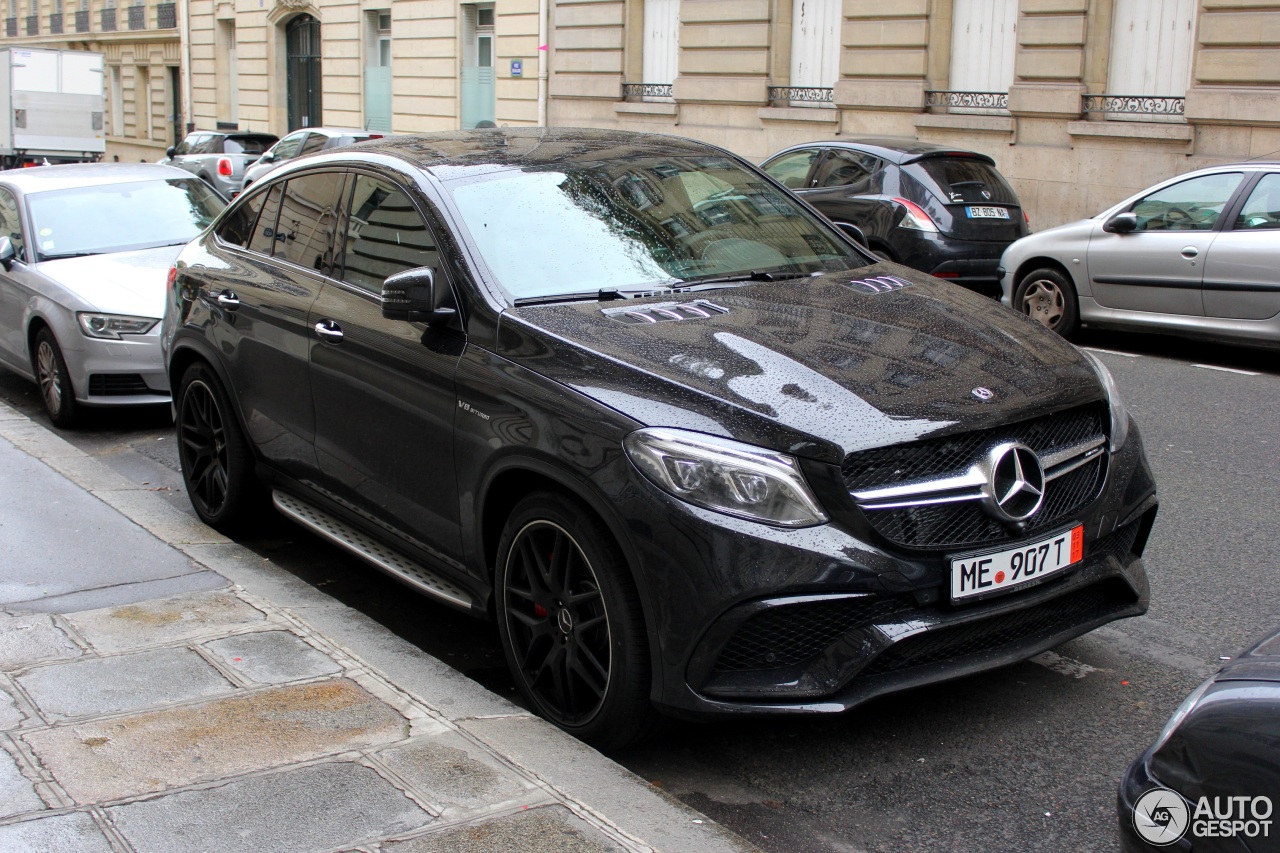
[
  {"x": 1193, "y": 255},
  {"x": 85, "y": 251}
]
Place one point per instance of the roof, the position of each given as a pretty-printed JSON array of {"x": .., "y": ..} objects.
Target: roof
[
  {"x": 45, "y": 178},
  {"x": 526, "y": 147}
]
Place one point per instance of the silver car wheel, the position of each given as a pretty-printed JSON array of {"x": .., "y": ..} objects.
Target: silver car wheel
[
  {"x": 1043, "y": 301},
  {"x": 50, "y": 378}
]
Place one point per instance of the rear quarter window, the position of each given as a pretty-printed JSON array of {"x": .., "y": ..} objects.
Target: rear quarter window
[{"x": 963, "y": 180}]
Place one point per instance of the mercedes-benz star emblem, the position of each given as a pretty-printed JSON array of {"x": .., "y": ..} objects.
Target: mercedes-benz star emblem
[
  {"x": 983, "y": 393},
  {"x": 1015, "y": 482}
]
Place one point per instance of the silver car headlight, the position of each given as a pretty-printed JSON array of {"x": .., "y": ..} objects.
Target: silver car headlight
[
  {"x": 726, "y": 476},
  {"x": 112, "y": 326},
  {"x": 1119, "y": 413}
]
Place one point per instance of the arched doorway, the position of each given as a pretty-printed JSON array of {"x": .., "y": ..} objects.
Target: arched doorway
[{"x": 302, "y": 71}]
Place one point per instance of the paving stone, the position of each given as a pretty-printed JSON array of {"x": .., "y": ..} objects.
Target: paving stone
[
  {"x": 554, "y": 829},
  {"x": 155, "y": 751},
  {"x": 272, "y": 657},
  {"x": 166, "y": 620},
  {"x": 65, "y": 833},
  {"x": 27, "y": 638},
  {"x": 16, "y": 793},
  {"x": 322, "y": 807},
  {"x": 10, "y": 716},
  {"x": 452, "y": 772},
  {"x": 110, "y": 685}
]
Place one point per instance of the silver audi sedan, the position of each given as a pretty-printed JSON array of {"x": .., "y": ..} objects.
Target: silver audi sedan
[
  {"x": 1195, "y": 255},
  {"x": 85, "y": 252}
]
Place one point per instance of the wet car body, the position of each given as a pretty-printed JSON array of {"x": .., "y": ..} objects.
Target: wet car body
[
  {"x": 1222, "y": 743},
  {"x": 460, "y": 419},
  {"x": 869, "y": 207}
]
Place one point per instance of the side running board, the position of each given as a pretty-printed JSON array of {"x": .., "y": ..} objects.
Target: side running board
[{"x": 370, "y": 549}]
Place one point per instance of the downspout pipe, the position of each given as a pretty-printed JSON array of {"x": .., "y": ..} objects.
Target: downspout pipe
[
  {"x": 188, "y": 107},
  {"x": 544, "y": 50}
]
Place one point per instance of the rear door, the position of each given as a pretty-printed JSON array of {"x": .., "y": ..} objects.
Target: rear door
[
  {"x": 384, "y": 389},
  {"x": 1160, "y": 266},
  {"x": 1241, "y": 273}
]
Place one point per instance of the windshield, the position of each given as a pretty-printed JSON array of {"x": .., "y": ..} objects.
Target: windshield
[
  {"x": 646, "y": 221},
  {"x": 117, "y": 217}
]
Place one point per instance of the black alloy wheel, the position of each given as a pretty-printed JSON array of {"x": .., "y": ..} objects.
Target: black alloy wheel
[
  {"x": 571, "y": 624},
  {"x": 217, "y": 466},
  {"x": 55, "y": 382}
]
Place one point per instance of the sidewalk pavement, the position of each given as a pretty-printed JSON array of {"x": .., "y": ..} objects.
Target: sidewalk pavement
[{"x": 164, "y": 689}]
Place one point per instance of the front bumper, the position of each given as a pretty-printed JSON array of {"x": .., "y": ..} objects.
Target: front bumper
[
  {"x": 754, "y": 619},
  {"x": 127, "y": 372}
]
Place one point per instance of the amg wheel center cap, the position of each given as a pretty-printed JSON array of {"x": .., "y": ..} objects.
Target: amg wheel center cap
[
  {"x": 1014, "y": 489},
  {"x": 565, "y": 620}
]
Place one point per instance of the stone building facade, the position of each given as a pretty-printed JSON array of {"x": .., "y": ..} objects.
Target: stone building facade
[
  {"x": 142, "y": 50},
  {"x": 1195, "y": 81}
]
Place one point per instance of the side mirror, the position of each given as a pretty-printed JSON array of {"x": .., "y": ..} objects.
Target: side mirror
[
  {"x": 269, "y": 157},
  {"x": 1121, "y": 223},
  {"x": 413, "y": 295},
  {"x": 170, "y": 151},
  {"x": 7, "y": 254}
]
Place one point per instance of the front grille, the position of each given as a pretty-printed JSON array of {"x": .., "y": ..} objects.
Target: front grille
[
  {"x": 118, "y": 385},
  {"x": 1118, "y": 543},
  {"x": 964, "y": 524},
  {"x": 794, "y": 633},
  {"x": 933, "y": 457},
  {"x": 1005, "y": 631}
]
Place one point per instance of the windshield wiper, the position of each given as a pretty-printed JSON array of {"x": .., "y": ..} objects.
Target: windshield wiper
[
  {"x": 607, "y": 294},
  {"x": 58, "y": 256},
  {"x": 753, "y": 275}
]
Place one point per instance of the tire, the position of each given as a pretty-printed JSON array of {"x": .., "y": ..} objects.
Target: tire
[
  {"x": 217, "y": 464},
  {"x": 56, "y": 392},
  {"x": 1047, "y": 296},
  {"x": 883, "y": 254},
  {"x": 571, "y": 625}
]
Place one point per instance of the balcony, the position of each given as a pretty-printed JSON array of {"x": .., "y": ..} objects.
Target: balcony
[
  {"x": 642, "y": 91},
  {"x": 82, "y": 21},
  {"x": 782, "y": 96},
  {"x": 137, "y": 17},
  {"x": 967, "y": 100},
  {"x": 55, "y": 23},
  {"x": 1134, "y": 105},
  {"x": 33, "y": 25},
  {"x": 108, "y": 20},
  {"x": 166, "y": 16}
]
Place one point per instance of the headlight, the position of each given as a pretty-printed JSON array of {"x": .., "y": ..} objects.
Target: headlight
[
  {"x": 1119, "y": 413},
  {"x": 726, "y": 476},
  {"x": 112, "y": 326},
  {"x": 1181, "y": 713}
]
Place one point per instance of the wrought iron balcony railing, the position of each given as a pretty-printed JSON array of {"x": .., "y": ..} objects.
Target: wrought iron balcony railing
[
  {"x": 1158, "y": 105},
  {"x": 968, "y": 100},
  {"x": 804, "y": 94},
  {"x": 55, "y": 23},
  {"x": 166, "y": 16},
  {"x": 137, "y": 17},
  {"x": 637, "y": 91},
  {"x": 108, "y": 20},
  {"x": 82, "y": 21}
]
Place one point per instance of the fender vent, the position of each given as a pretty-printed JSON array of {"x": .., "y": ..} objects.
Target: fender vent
[
  {"x": 663, "y": 312},
  {"x": 879, "y": 284}
]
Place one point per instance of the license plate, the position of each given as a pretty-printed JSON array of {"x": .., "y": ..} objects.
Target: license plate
[
  {"x": 988, "y": 213},
  {"x": 999, "y": 571}
]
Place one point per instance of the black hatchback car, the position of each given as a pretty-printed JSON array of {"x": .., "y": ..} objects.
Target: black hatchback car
[
  {"x": 688, "y": 445},
  {"x": 943, "y": 211}
]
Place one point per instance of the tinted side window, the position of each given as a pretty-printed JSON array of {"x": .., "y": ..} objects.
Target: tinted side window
[
  {"x": 287, "y": 148},
  {"x": 237, "y": 228},
  {"x": 309, "y": 220},
  {"x": 314, "y": 142},
  {"x": 1192, "y": 205},
  {"x": 1262, "y": 210},
  {"x": 385, "y": 235},
  {"x": 792, "y": 169},
  {"x": 184, "y": 147},
  {"x": 10, "y": 223},
  {"x": 964, "y": 180},
  {"x": 851, "y": 169},
  {"x": 264, "y": 234},
  {"x": 206, "y": 144}
]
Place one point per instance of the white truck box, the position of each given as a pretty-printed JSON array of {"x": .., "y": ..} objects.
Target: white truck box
[{"x": 50, "y": 106}]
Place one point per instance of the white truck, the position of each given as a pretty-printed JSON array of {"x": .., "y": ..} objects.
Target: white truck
[{"x": 50, "y": 106}]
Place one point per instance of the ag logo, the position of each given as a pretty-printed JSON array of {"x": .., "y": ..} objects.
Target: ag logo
[{"x": 1160, "y": 817}]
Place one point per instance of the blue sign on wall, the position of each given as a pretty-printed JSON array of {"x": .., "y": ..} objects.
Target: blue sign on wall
[{"x": 517, "y": 68}]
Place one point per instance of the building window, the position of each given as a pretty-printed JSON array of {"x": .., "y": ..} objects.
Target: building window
[
  {"x": 117, "y": 102},
  {"x": 377, "y": 71},
  {"x": 661, "y": 52},
  {"x": 815, "y": 51},
  {"x": 1150, "y": 59},
  {"x": 984, "y": 38}
]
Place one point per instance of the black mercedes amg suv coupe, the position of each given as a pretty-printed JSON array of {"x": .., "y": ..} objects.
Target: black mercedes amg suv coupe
[{"x": 692, "y": 449}]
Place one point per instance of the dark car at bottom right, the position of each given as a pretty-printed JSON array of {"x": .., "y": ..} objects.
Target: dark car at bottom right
[{"x": 1211, "y": 781}]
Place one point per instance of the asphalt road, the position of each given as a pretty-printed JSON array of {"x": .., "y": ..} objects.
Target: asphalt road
[{"x": 1024, "y": 758}]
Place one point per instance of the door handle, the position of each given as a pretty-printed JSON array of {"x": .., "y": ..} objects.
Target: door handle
[
  {"x": 229, "y": 300},
  {"x": 329, "y": 331},
  {"x": 1190, "y": 252}
]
